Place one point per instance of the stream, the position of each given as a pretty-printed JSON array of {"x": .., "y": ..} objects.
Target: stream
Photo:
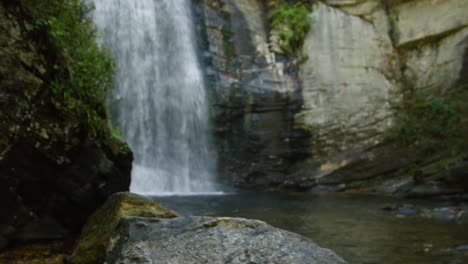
[{"x": 355, "y": 226}]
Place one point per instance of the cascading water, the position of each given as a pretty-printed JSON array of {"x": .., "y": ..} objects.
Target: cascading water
[{"x": 159, "y": 100}]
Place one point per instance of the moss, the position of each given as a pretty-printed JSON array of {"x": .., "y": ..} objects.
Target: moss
[
  {"x": 227, "y": 42},
  {"x": 94, "y": 239},
  {"x": 309, "y": 129}
]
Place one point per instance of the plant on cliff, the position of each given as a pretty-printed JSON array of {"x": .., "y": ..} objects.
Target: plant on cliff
[
  {"x": 292, "y": 23},
  {"x": 80, "y": 71},
  {"x": 433, "y": 125}
]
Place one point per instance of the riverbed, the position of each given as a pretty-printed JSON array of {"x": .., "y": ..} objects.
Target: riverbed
[{"x": 360, "y": 228}]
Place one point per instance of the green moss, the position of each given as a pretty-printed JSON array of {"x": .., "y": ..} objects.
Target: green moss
[
  {"x": 227, "y": 42},
  {"x": 292, "y": 22},
  {"x": 309, "y": 129},
  {"x": 94, "y": 239},
  {"x": 80, "y": 71}
]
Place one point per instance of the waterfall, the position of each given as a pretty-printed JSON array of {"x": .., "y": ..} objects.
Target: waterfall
[{"x": 159, "y": 100}]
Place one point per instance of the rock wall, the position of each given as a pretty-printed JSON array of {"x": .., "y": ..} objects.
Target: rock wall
[
  {"x": 322, "y": 124},
  {"x": 52, "y": 176},
  {"x": 254, "y": 93},
  {"x": 432, "y": 37},
  {"x": 362, "y": 55},
  {"x": 349, "y": 81}
]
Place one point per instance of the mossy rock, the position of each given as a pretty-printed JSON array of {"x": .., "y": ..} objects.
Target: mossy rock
[{"x": 94, "y": 240}]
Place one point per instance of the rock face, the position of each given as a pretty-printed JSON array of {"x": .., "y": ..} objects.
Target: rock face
[
  {"x": 95, "y": 236},
  {"x": 51, "y": 176},
  {"x": 211, "y": 240},
  {"x": 433, "y": 44},
  {"x": 254, "y": 91},
  {"x": 349, "y": 81},
  {"x": 321, "y": 124},
  {"x": 362, "y": 55}
]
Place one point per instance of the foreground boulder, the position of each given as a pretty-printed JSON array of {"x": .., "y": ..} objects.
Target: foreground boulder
[
  {"x": 95, "y": 237},
  {"x": 211, "y": 240}
]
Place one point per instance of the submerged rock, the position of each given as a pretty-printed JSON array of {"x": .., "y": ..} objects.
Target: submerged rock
[
  {"x": 97, "y": 232},
  {"x": 211, "y": 240}
]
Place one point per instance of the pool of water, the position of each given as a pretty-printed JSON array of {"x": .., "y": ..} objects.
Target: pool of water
[{"x": 354, "y": 226}]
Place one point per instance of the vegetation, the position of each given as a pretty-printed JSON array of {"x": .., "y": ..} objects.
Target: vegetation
[
  {"x": 433, "y": 125},
  {"x": 292, "y": 23},
  {"x": 80, "y": 71}
]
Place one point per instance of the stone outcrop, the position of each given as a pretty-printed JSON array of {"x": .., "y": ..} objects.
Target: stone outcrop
[
  {"x": 52, "y": 177},
  {"x": 97, "y": 232},
  {"x": 211, "y": 240}
]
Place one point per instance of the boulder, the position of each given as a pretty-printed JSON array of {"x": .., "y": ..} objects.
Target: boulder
[
  {"x": 211, "y": 240},
  {"x": 95, "y": 236}
]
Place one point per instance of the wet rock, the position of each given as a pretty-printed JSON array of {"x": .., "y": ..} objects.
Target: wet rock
[
  {"x": 462, "y": 217},
  {"x": 95, "y": 236},
  {"x": 254, "y": 92},
  {"x": 444, "y": 213},
  {"x": 407, "y": 210},
  {"x": 457, "y": 214},
  {"x": 211, "y": 240},
  {"x": 462, "y": 248}
]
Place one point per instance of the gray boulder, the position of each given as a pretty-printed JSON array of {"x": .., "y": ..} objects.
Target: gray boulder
[{"x": 210, "y": 240}]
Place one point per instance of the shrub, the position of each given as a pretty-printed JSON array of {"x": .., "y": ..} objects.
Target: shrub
[
  {"x": 431, "y": 124},
  {"x": 292, "y": 22}
]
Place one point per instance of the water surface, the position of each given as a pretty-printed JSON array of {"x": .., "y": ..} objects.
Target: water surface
[{"x": 354, "y": 226}]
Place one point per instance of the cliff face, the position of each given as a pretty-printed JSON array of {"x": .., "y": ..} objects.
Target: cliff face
[
  {"x": 363, "y": 57},
  {"x": 363, "y": 53},
  {"x": 254, "y": 92},
  {"x": 322, "y": 123},
  {"x": 52, "y": 174}
]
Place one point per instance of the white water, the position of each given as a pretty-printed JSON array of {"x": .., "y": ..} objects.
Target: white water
[{"x": 159, "y": 100}]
